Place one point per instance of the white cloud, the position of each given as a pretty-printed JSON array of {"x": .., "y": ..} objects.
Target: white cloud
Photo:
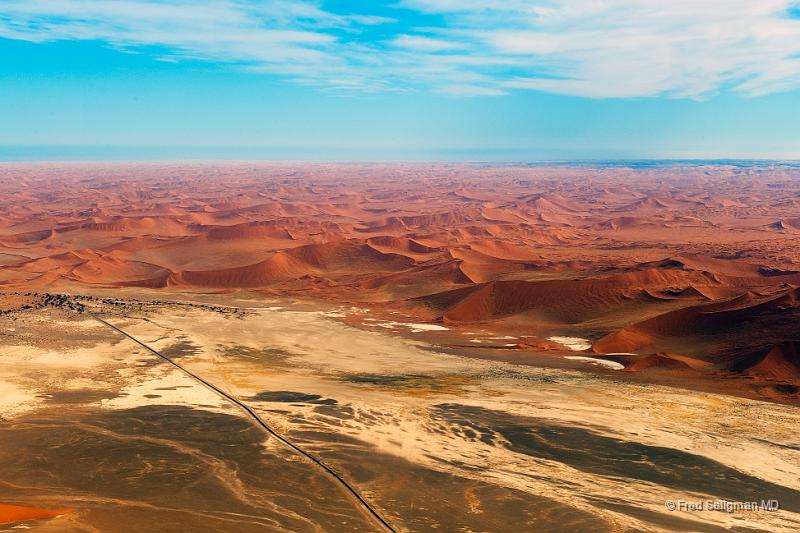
[
  {"x": 425, "y": 44},
  {"x": 593, "y": 48},
  {"x": 371, "y": 20},
  {"x": 631, "y": 48},
  {"x": 224, "y": 30}
]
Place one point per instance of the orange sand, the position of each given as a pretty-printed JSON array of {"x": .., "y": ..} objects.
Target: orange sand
[{"x": 20, "y": 513}]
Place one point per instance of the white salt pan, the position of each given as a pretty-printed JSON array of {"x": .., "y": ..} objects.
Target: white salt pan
[
  {"x": 601, "y": 362},
  {"x": 573, "y": 343}
]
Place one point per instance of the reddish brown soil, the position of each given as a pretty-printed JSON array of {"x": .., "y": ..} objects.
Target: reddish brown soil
[
  {"x": 10, "y": 514},
  {"x": 693, "y": 269}
]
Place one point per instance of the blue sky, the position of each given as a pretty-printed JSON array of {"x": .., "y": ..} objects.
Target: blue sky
[{"x": 399, "y": 79}]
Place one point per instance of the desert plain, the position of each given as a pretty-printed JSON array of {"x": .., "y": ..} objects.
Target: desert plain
[{"x": 412, "y": 347}]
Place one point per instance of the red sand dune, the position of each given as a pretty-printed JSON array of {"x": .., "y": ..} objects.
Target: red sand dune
[
  {"x": 280, "y": 266},
  {"x": 727, "y": 333},
  {"x": 667, "y": 361},
  {"x": 564, "y": 301},
  {"x": 782, "y": 363},
  {"x": 792, "y": 224},
  {"x": 699, "y": 261},
  {"x": 779, "y": 362}
]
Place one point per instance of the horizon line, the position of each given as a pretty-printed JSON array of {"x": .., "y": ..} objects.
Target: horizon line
[
  {"x": 129, "y": 154},
  {"x": 532, "y": 161}
]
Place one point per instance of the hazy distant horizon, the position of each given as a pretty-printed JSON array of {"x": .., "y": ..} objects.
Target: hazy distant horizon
[{"x": 54, "y": 154}]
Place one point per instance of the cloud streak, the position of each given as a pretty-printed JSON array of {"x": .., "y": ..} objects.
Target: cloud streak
[{"x": 613, "y": 48}]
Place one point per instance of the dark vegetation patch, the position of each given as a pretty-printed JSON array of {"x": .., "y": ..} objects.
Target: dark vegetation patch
[
  {"x": 77, "y": 396},
  {"x": 292, "y": 397}
]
